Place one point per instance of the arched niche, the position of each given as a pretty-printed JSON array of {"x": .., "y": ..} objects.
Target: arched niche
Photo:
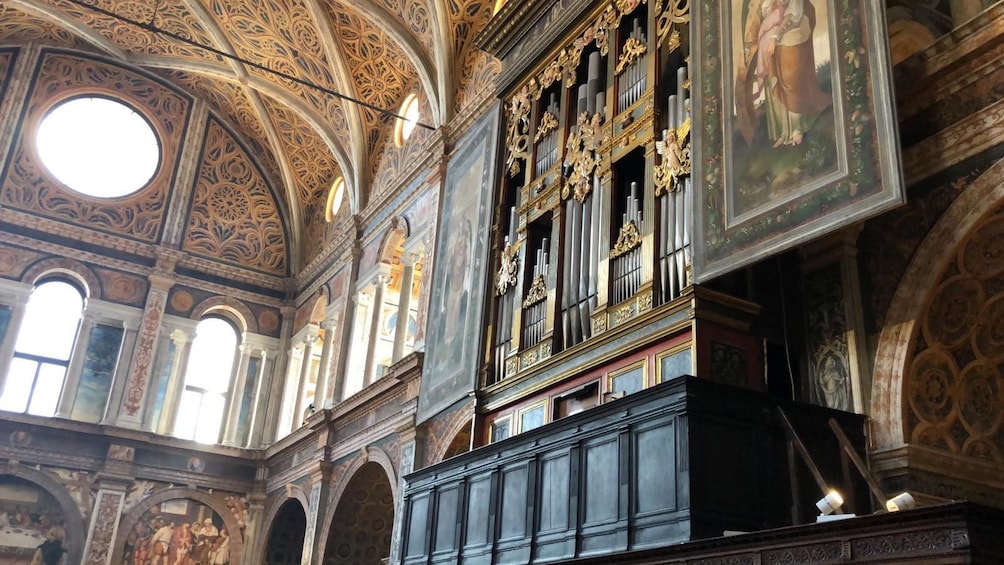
[
  {"x": 359, "y": 531},
  {"x": 286, "y": 531},
  {"x": 180, "y": 509},
  {"x": 938, "y": 394},
  {"x": 38, "y": 495}
]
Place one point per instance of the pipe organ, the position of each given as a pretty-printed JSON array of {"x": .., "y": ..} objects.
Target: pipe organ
[{"x": 596, "y": 188}]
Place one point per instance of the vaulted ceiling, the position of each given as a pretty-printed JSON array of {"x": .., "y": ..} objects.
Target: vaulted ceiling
[{"x": 305, "y": 135}]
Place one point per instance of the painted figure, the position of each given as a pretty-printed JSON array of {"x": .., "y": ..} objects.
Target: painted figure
[{"x": 778, "y": 74}]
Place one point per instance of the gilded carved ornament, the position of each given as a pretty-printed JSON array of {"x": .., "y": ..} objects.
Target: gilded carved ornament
[
  {"x": 582, "y": 157},
  {"x": 563, "y": 66},
  {"x": 671, "y": 14},
  {"x": 508, "y": 270},
  {"x": 537, "y": 292},
  {"x": 675, "y": 164},
  {"x": 628, "y": 239},
  {"x": 633, "y": 50},
  {"x": 548, "y": 123}
]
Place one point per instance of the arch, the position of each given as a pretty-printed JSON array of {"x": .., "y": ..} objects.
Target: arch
[
  {"x": 318, "y": 311},
  {"x": 392, "y": 240},
  {"x": 285, "y": 506},
  {"x": 76, "y": 271},
  {"x": 292, "y": 492},
  {"x": 912, "y": 295},
  {"x": 131, "y": 518},
  {"x": 232, "y": 308},
  {"x": 361, "y": 522},
  {"x": 459, "y": 441},
  {"x": 73, "y": 520},
  {"x": 368, "y": 455}
]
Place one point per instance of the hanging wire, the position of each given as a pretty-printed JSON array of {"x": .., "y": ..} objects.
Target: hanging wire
[{"x": 149, "y": 26}]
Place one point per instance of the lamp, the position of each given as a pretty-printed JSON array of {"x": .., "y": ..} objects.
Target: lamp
[
  {"x": 902, "y": 501},
  {"x": 829, "y": 503}
]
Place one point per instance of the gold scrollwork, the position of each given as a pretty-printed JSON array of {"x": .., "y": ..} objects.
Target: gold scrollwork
[
  {"x": 511, "y": 366},
  {"x": 517, "y": 139},
  {"x": 565, "y": 64},
  {"x": 676, "y": 159},
  {"x": 529, "y": 358},
  {"x": 537, "y": 292},
  {"x": 628, "y": 239},
  {"x": 634, "y": 48},
  {"x": 599, "y": 324},
  {"x": 508, "y": 269},
  {"x": 645, "y": 302},
  {"x": 671, "y": 14},
  {"x": 623, "y": 314},
  {"x": 548, "y": 123},
  {"x": 583, "y": 141},
  {"x": 545, "y": 350}
]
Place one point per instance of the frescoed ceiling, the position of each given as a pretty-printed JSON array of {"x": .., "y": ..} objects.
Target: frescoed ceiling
[{"x": 304, "y": 134}]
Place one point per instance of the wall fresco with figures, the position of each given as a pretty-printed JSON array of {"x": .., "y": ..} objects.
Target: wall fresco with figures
[
  {"x": 178, "y": 532},
  {"x": 29, "y": 517}
]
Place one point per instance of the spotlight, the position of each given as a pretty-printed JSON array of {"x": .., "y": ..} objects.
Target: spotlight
[
  {"x": 902, "y": 501},
  {"x": 830, "y": 503}
]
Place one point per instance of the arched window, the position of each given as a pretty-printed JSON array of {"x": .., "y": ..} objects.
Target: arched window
[
  {"x": 42, "y": 351},
  {"x": 335, "y": 198},
  {"x": 207, "y": 381},
  {"x": 405, "y": 127}
]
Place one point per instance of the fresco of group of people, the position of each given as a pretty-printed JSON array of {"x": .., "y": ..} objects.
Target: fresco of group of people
[{"x": 174, "y": 540}]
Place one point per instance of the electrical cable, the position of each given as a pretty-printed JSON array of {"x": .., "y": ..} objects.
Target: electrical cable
[
  {"x": 154, "y": 29},
  {"x": 784, "y": 327}
]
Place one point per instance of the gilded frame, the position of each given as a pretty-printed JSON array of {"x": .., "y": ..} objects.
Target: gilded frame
[
  {"x": 508, "y": 418},
  {"x": 659, "y": 377},
  {"x": 539, "y": 405},
  {"x": 794, "y": 145},
  {"x": 621, "y": 371}
]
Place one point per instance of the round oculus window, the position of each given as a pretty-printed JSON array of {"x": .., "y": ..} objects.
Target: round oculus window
[{"x": 98, "y": 147}]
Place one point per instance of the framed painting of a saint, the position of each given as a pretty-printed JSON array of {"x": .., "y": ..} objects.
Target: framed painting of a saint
[
  {"x": 453, "y": 332},
  {"x": 795, "y": 135}
]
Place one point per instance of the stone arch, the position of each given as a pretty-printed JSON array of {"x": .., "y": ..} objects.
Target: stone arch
[
  {"x": 318, "y": 312},
  {"x": 73, "y": 521},
  {"x": 912, "y": 297},
  {"x": 392, "y": 240},
  {"x": 360, "y": 523},
  {"x": 131, "y": 518},
  {"x": 232, "y": 308},
  {"x": 294, "y": 495},
  {"x": 71, "y": 268},
  {"x": 369, "y": 455}
]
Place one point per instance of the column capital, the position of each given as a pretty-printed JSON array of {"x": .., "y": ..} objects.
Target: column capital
[
  {"x": 180, "y": 337},
  {"x": 330, "y": 323},
  {"x": 160, "y": 281}
]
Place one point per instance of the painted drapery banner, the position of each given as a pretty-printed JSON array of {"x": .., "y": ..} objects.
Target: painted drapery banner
[
  {"x": 795, "y": 130},
  {"x": 453, "y": 333}
]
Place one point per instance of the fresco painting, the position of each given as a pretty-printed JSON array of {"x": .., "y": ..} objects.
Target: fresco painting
[
  {"x": 178, "y": 532},
  {"x": 31, "y": 524}
]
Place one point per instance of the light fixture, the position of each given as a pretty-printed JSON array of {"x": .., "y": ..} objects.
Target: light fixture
[
  {"x": 830, "y": 503},
  {"x": 902, "y": 501}
]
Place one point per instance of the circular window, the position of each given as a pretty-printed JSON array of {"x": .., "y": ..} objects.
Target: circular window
[
  {"x": 335, "y": 198},
  {"x": 406, "y": 126},
  {"x": 98, "y": 147}
]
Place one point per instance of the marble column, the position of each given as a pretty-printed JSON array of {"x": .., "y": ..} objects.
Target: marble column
[
  {"x": 121, "y": 373},
  {"x": 237, "y": 395},
  {"x": 69, "y": 394},
  {"x": 176, "y": 381},
  {"x": 306, "y": 366},
  {"x": 320, "y": 490},
  {"x": 259, "y": 402},
  {"x": 411, "y": 451},
  {"x": 369, "y": 369},
  {"x": 18, "y": 307},
  {"x": 404, "y": 307},
  {"x": 321, "y": 391},
  {"x": 104, "y": 524},
  {"x": 138, "y": 384},
  {"x": 273, "y": 422}
]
